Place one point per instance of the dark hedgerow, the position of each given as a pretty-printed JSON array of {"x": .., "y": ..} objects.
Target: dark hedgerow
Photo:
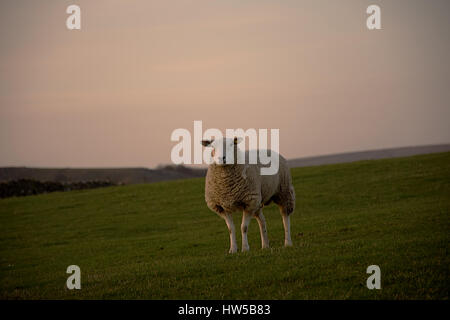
[{"x": 27, "y": 187}]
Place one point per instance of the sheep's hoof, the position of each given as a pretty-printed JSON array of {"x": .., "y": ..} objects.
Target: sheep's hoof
[
  {"x": 245, "y": 248},
  {"x": 288, "y": 243},
  {"x": 232, "y": 250}
]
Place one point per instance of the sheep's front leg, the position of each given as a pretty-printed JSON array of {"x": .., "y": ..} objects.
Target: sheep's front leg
[
  {"x": 229, "y": 220},
  {"x": 262, "y": 229},
  {"x": 246, "y": 217}
]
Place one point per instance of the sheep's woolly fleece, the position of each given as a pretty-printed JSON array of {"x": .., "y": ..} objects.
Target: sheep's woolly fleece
[{"x": 234, "y": 187}]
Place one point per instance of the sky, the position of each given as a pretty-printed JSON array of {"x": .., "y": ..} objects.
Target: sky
[{"x": 111, "y": 94}]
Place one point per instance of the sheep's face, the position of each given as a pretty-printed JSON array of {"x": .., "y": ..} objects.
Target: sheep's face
[{"x": 224, "y": 151}]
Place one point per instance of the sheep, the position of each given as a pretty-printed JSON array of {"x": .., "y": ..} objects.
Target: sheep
[{"x": 231, "y": 187}]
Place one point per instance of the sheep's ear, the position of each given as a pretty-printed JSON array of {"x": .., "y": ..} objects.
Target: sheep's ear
[
  {"x": 206, "y": 143},
  {"x": 237, "y": 140}
]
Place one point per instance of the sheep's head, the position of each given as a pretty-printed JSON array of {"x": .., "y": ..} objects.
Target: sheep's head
[{"x": 224, "y": 151}]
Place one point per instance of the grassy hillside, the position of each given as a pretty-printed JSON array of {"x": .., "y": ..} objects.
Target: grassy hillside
[{"x": 160, "y": 240}]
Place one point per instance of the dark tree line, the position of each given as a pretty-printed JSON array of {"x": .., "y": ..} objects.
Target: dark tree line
[{"x": 26, "y": 187}]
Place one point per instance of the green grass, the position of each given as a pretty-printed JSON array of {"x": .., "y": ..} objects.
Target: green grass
[{"x": 160, "y": 241}]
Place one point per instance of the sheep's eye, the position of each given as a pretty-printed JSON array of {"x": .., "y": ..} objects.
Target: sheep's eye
[{"x": 212, "y": 153}]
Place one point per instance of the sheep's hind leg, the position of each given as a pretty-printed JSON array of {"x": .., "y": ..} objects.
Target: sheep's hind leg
[
  {"x": 246, "y": 217},
  {"x": 287, "y": 227},
  {"x": 229, "y": 221},
  {"x": 262, "y": 229}
]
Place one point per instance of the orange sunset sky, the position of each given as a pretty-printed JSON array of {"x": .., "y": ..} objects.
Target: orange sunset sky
[{"x": 110, "y": 94}]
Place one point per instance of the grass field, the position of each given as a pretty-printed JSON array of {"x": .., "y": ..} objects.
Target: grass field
[{"x": 160, "y": 241}]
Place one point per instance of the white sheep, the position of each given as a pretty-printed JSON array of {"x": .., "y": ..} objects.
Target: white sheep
[{"x": 232, "y": 187}]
